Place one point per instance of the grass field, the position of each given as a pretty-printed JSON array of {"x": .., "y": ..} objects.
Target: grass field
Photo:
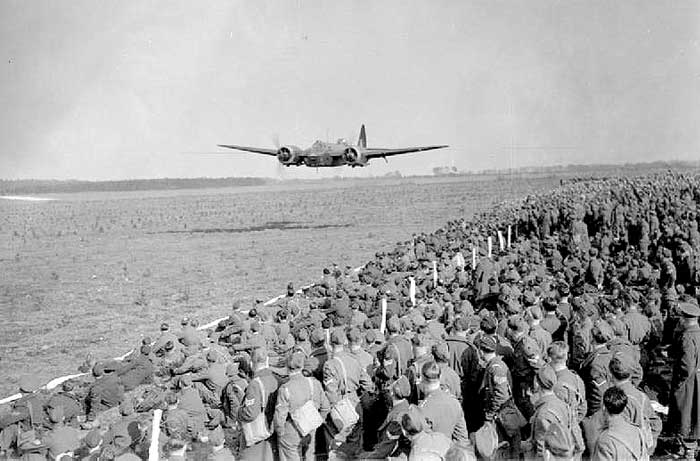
[{"x": 95, "y": 272}]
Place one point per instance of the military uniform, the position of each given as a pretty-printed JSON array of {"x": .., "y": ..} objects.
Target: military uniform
[
  {"x": 571, "y": 389},
  {"x": 211, "y": 382},
  {"x": 253, "y": 406},
  {"x": 291, "y": 396},
  {"x": 684, "y": 409},
  {"x": 526, "y": 361},
  {"x": 105, "y": 393},
  {"x": 596, "y": 376},
  {"x": 495, "y": 393},
  {"x": 639, "y": 411},
  {"x": 449, "y": 381},
  {"x": 547, "y": 411},
  {"x": 446, "y": 415},
  {"x": 638, "y": 326},
  {"x": 620, "y": 440},
  {"x": 346, "y": 380},
  {"x": 495, "y": 387}
]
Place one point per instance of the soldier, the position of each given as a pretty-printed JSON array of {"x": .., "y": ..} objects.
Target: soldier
[
  {"x": 595, "y": 368},
  {"x": 684, "y": 413},
  {"x": 440, "y": 407},
  {"x": 189, "y": 336},
  {"x": 595, "y": 272},
  {"x": 620, "y": 440},
  {"x": 189, "y": 401},
  {"x": 421, "y": 356},
  {"x": 638, "y": 325},
  {"x": 569, "y": 386},
  {"x": 621, "y": 345},
  {"x": 260, "y": 398},
  {"x": 496, "y": 395},
  {"x": 488, "y": 326},
  {"x": 390, "y": 441},
  {"x": 70, "y": 404},
  {"x": 551, "y": 322},
  {"x": 397, "y": 352},
  {"x": 449, "y": 379},
  {"x": 233, "y": 394},
  {"x": 548, "y": 409},
  {"x": 165, "y": 336},
  {"x": 61, "y": 438},
  {"x": 293, "y": 445},
  {"x": 319, "y": 354},
  {"x": 526, "y": 362},
  {"x": 425, "y": 443},
  {"x": 541, "y": 336},
  {"x": 137, "y": 370},
  {"x": 344, "y": 378},
  {"x": 105, "y": 393},
  {"x": 638, "y": 411},
  {"x": 211, "y": 382},
  {"x": 355, "y": 341}
]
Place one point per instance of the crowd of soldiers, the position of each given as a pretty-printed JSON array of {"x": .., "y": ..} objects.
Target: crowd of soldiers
[{"x": 577, "y": 338}]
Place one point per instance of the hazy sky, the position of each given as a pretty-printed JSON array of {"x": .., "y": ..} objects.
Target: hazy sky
[{"x": 115, "y": 89}]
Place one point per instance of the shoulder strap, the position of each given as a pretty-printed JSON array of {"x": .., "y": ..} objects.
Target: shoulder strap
[
  {"x": 311, "y": 388},
  {"x": 398, "y": 358},
  {"x": 345, "y": 376},
  {"x": 262, "y": 391}
]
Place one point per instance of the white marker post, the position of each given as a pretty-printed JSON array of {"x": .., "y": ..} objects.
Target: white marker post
[
  {"x": 510, "y": 231},
  {"x": 412, "y": 290},
  {"x": 382, "y": 327},
  {"x": 490, "y": 242},
  {"x": 435, "y": 277},
  {"x": 473, "y": 258},
  {"x": 501, "y": 241},
  {"x": 153, "y": 454}
]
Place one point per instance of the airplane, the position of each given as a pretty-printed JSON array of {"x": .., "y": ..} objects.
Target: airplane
[{"x": 324, "y": 154}]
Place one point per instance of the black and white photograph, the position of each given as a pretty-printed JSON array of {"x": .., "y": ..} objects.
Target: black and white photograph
[{"x": 449, "y": 230}]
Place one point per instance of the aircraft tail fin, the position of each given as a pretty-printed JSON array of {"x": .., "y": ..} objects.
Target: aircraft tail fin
[{"x": 362, "y": 140}]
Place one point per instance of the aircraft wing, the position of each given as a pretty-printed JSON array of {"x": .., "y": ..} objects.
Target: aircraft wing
[
  {"x": 377, "y": 153},
  {"x": 255, "y": 150}
]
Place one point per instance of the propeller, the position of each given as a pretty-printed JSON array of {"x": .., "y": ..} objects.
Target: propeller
[{"x": 280, "y": 167}]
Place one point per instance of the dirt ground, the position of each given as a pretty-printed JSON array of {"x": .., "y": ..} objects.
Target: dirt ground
[{"x": 96, "y": 272}]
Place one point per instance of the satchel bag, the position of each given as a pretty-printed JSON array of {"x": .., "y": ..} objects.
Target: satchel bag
[
  {"x": 306, "y": 417},
  {"x": 343, "y": 413},
  {"x": 486, "y": 439},
  {"x": 257, "y": 430}
]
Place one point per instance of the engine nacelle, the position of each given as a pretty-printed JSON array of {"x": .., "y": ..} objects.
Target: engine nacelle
[
  {"x": 354, "y": 157},
  {"x": 288, "y": 155}
]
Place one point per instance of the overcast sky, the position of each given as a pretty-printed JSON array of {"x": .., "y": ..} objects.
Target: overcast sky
[{"x": 114, "y": 89}]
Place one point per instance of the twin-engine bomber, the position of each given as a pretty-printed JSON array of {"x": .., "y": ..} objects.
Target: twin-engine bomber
[{"x": 325, "y": 154}]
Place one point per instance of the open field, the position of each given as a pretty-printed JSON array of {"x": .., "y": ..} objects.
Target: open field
[{"x": 97, "y": 271}]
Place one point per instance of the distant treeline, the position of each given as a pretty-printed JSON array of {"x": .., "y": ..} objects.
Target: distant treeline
[
  {"x": 40, "y": 186},
  {"x": 595, "y": 168}
]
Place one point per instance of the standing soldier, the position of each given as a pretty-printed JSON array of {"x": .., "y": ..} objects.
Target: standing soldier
[
  {"x": 684, "y": 411},
  {"x": 526, "y": 362},
  {"x": 344, "y": 378},
  {"x": 441, "y": 407},
  {"x": 569, "y": 386},
  {"x": 595, "y": 368},
  {"x": 260, "y": 397},
  {"x": 291, "y": 398},
  {"x": 495, "y": 393}
]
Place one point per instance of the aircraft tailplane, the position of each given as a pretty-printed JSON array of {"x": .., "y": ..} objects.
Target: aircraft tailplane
[{"x": 362, "y": 140}]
